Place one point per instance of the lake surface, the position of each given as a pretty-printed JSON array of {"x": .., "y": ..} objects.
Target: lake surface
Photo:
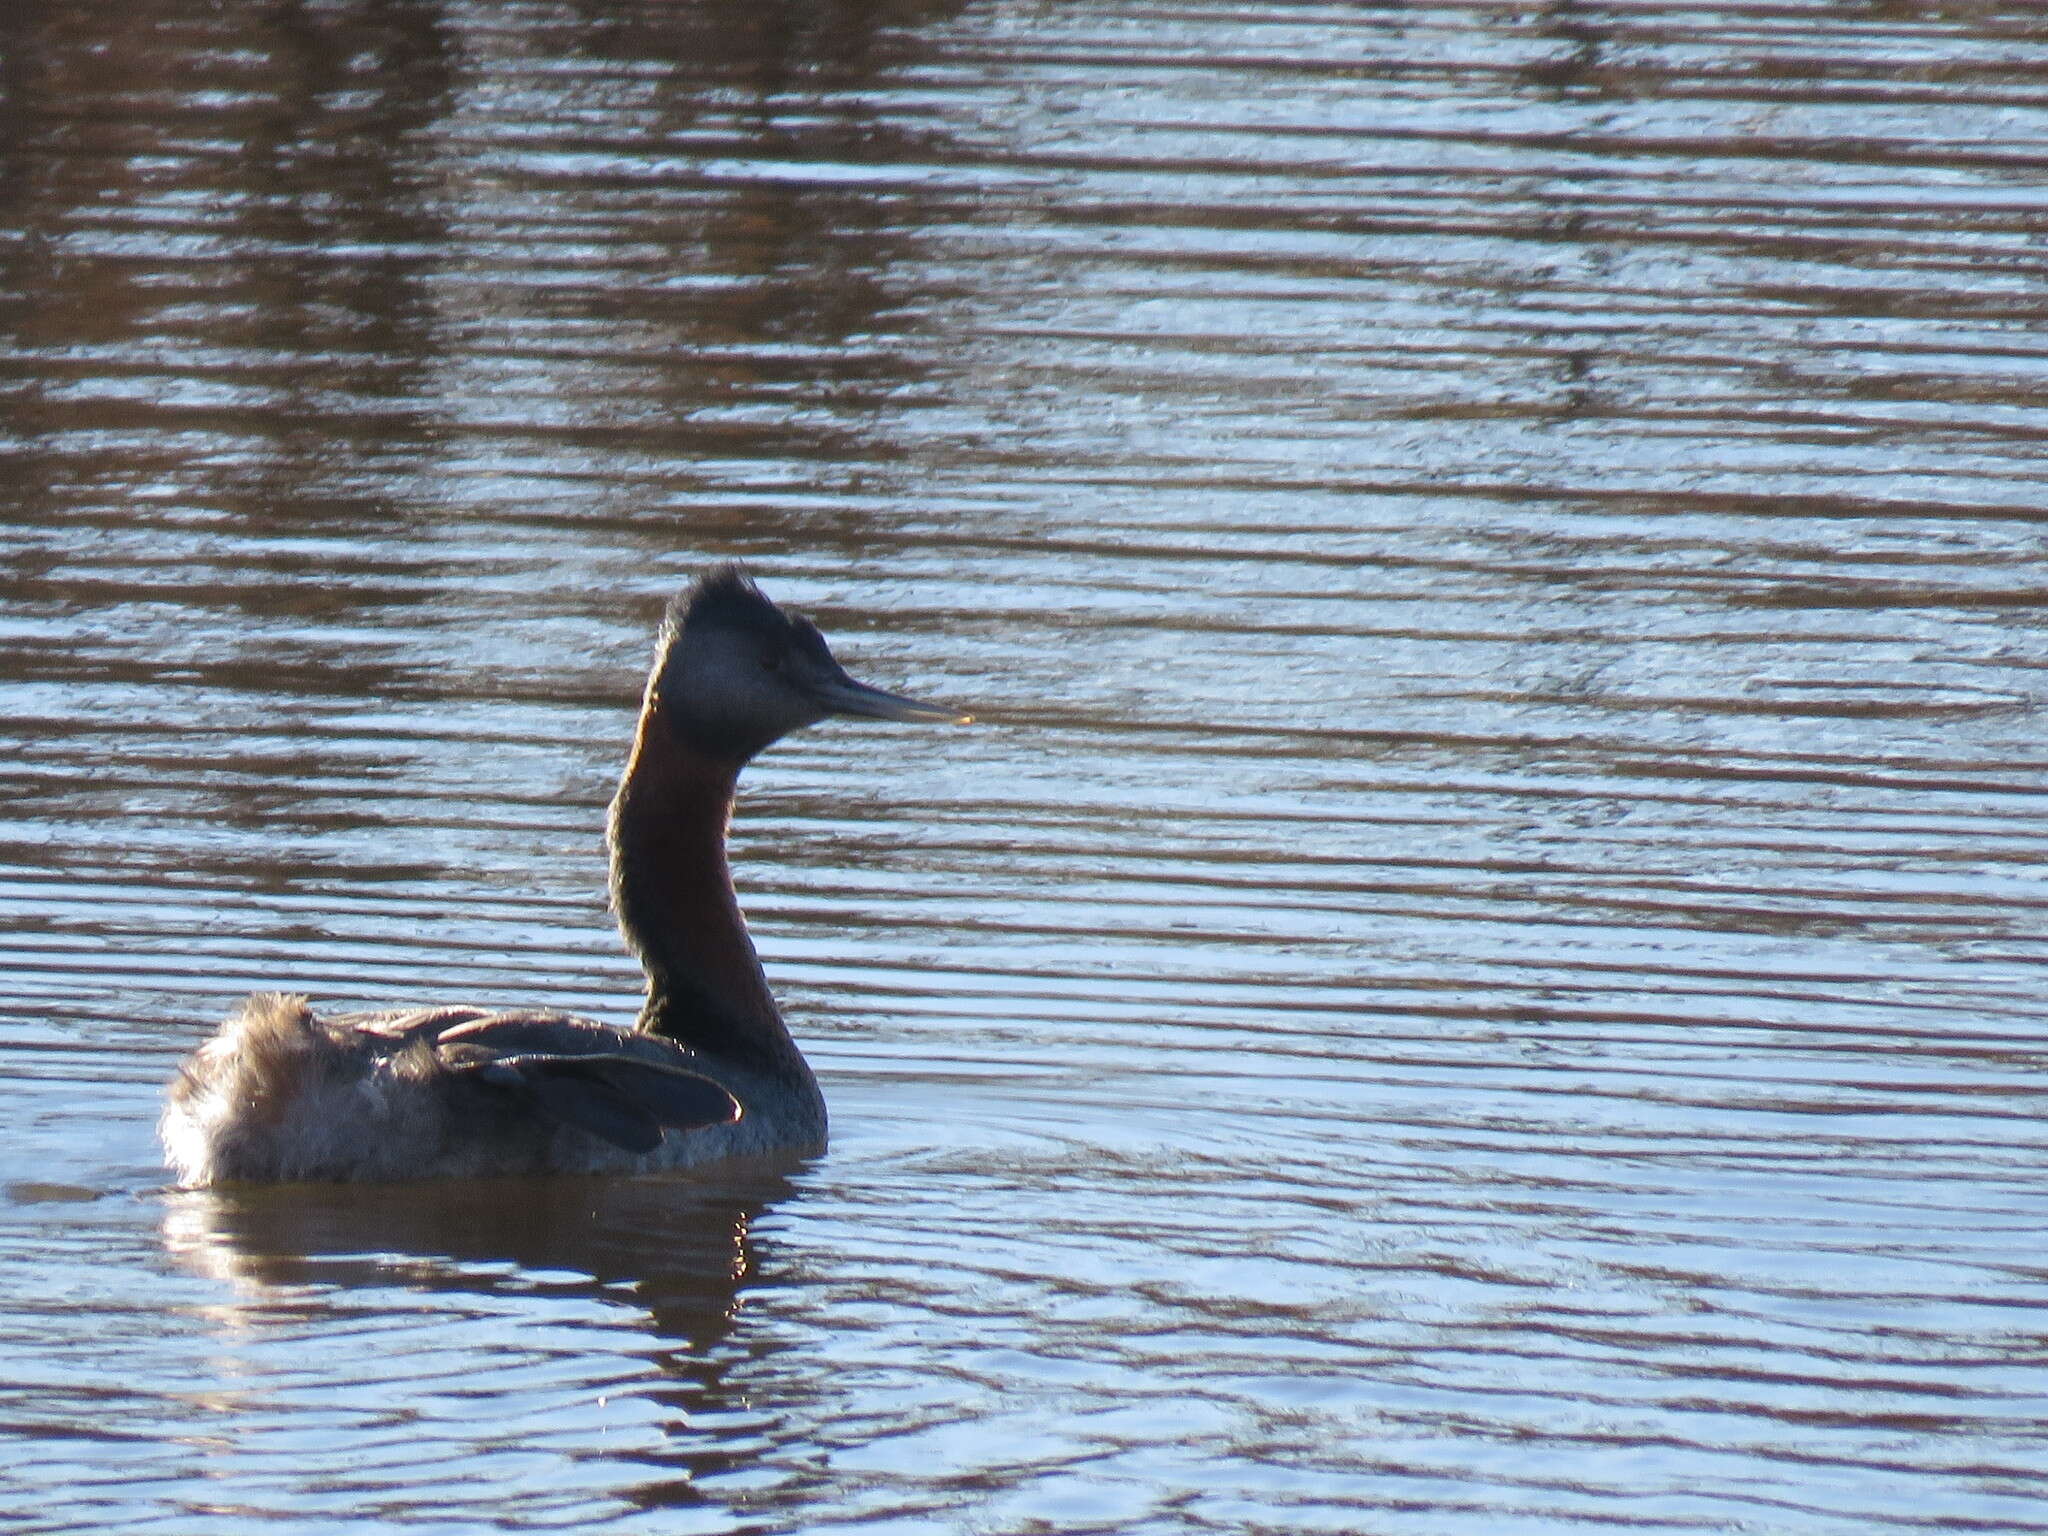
[{"x": 1483, "y": 970}]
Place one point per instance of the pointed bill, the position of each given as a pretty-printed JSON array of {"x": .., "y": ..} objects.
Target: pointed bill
[{"x": 843, "y": 696}]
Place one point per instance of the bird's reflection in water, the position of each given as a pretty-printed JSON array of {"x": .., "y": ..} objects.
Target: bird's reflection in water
[{"x": 666, "y": 1258}]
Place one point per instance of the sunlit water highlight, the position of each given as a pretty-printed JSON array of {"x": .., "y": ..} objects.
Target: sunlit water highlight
[{"x": 1482, "y": 970}]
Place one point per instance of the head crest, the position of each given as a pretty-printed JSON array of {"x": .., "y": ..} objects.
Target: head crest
[{"x": 724, "y": 597}]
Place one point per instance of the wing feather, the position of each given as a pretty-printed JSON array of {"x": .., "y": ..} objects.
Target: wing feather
[{"x": 623, "y": 1088}]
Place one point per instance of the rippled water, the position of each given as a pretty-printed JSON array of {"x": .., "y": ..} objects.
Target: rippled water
[{"x": 1484, "y": 969}]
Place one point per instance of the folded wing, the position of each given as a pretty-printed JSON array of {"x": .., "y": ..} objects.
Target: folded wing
[{"x": 625, "y": 1089}]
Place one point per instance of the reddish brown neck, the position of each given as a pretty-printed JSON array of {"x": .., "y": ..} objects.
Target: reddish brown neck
[{"x": 672, "y": 892}]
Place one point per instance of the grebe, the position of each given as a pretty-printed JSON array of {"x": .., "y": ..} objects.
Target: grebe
[{"x": 707, "y": 1072}]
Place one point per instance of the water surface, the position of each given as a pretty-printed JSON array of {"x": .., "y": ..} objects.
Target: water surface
[{"x": 1482, "y": 971}]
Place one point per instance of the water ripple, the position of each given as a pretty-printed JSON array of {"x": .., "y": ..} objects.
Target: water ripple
[{"x": 1483, "y": 967}]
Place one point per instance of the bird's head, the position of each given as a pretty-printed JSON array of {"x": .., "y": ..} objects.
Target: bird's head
[{"x": 735, "y": 672}]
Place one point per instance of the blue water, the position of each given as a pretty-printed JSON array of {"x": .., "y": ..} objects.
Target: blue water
[{"x": 1481, "y": 971}]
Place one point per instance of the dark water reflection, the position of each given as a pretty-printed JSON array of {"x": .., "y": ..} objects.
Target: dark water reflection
[
  {"x": 606, "y": 1308},
  {"x": 1486, "y": 969}
]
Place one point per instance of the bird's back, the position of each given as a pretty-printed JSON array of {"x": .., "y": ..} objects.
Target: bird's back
[{"x": 282, "y": 1093}]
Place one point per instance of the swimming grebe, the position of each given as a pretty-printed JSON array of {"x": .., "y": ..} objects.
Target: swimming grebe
[{"x": 708, "y": 1071}]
